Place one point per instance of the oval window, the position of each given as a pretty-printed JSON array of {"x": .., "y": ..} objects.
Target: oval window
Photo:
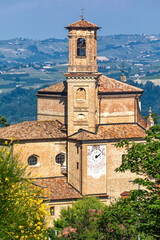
[
  {"x": 60, "y": 158},
  {"x": 32, "y": 160}
]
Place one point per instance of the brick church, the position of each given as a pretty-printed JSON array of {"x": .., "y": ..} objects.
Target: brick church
[{"x": 70, "y": 149}]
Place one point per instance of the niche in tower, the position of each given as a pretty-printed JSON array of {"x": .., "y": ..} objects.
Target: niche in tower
[{"x": 81, "y": 94}]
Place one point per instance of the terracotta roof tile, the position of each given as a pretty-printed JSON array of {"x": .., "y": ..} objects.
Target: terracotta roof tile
[
  {"x": 113, "y": 131},
  {"x": 107, "y": 84},
  {"x": 58, "y": 188},
  {"x": 59, "y": 87},
  {"x": 82, "y": 24},
  {"x": 33, "y": 130},
  {"x": 125, "y": 193}
]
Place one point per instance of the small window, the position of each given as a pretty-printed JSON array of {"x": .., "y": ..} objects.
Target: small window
[
  {"x": 33, "y": 160},
  {"x": 60, "y": 158},
  {"x": 77, "y": 149},
  {"x": 52, "y": 211},
  {"x": 81, "y": 116},
  {"x": 81, "y": 47},
  {"x": 77, "y": 165}
]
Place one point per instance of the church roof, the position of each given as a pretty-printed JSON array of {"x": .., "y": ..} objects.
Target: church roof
[
  {"x": 58, "y": 87},
  {"x": 82, "y": 24},
  {"x": 33, "y": 130},
  {"x": 112, "y": 132},
  {"x": 58, "y": 188},
  {"x": 106, "y": 85}
]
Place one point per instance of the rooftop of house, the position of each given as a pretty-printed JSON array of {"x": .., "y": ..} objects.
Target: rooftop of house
[
  {"x": 58, "y": 188},
  {"x": 112, "y": 132},
  {"x": 106, "y": 85},
  {"x": 82, "y": 24},
  {"x": 33, "y": 130},
  {"x": 39, "y": 130}
]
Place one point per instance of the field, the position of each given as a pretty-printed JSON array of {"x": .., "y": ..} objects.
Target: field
[{"x": 31, "y": 77}]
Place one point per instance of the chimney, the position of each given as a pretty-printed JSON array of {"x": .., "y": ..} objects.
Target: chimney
[{"x": 123, "y": 78}]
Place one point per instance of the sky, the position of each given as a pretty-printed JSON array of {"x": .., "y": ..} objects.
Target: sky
[{"x": 41, "y": 19}]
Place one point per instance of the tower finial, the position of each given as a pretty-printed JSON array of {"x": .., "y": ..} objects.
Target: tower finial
[
  {"x": 123, "y": 77},
  {"x": 150, "y": 121},
  {"x": 82, "y": 15},
  {"x": 150, "y": 113}
]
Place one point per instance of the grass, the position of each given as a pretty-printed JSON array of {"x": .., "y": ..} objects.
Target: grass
[{"x": 151, "y": 77}]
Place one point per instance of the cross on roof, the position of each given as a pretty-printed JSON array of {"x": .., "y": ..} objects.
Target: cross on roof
[{"x": 82, "y": 15}]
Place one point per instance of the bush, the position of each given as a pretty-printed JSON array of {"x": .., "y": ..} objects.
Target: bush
[{"x": 22, "y": 214}]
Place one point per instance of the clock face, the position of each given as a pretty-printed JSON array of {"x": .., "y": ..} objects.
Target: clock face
[
  {"x": 96, "y": 160},
  {"x": 96, "y": 156}
]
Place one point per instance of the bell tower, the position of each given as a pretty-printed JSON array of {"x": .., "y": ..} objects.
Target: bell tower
[
  {"x": 82, "y": 46},
  {"x": 82, "y": 77}
]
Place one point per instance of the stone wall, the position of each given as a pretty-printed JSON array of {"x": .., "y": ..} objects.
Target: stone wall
[
  {"x": 112, "y": 183},
  {"x": 74, "y": 165},
  {"x": 82, "y": 113},
  {"x": 117, "y": 110},
  {"x": 52, "y": 108},
  {"x": 46, "y": 152}
]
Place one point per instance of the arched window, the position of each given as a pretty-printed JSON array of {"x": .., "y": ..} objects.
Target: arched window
[
  {"x": 33, "y": 160},
  {"x": 60, "y": 158},
  {"x": 81, "y": 116},
  {"x": 81, "y": 94},
  {"x": 81, "y": 47}
]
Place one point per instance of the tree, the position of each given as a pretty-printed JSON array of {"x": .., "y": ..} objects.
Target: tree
[
  {"x": 79, "y": 222},
  {"x": 3, "y": 121},
  {"x": 22, "y": 214},
  {"x": 119, "y": 221},
  {"x": 144, "y": 159}
]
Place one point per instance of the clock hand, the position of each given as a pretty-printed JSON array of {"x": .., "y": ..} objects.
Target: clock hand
[{"x": 97, "y": 155}]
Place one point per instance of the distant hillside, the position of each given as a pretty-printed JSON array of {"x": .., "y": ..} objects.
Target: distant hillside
[{"x": 134, "y": 47}]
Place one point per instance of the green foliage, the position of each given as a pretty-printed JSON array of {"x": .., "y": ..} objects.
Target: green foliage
[
  {"x": 144, "y": 160},
  {"x": 90, "y": 219},
  {"x": 3, "y": 121},
  {"x": 19, "y": 105},
  {"x": 119, "y": 221},
  {"x": 155, "y": 117},
  {"x": 22, "y": 214},
  {"x": 81, "y": 218},
  {"x": 150, "y": 97}
]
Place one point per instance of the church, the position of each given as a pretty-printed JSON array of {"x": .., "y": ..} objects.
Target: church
[{"x": 70, "y": 150}]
